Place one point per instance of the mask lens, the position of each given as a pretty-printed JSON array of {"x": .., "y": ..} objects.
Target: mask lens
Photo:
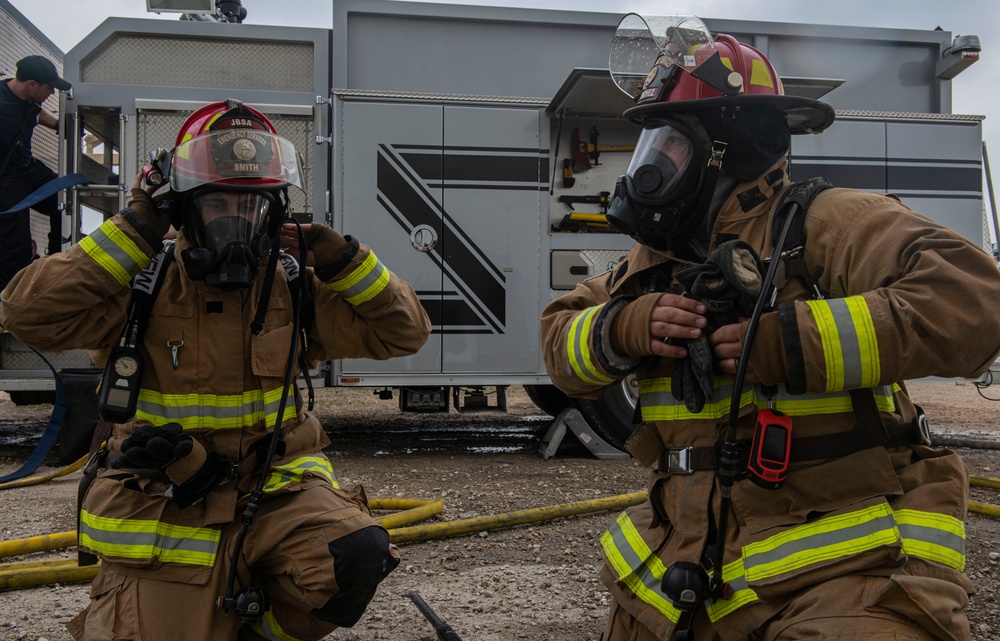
[
  {"x": 231, "y": 217},
  {"x": 661, "y": 159}
]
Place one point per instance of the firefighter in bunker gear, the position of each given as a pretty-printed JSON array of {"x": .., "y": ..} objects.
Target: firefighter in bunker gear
[
  {"x": 163, "y": 513},
  {"x": 866, "y": 537}
]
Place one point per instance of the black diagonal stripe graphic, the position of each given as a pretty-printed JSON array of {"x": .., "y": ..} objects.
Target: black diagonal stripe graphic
[{"x": 474, "y": 275}]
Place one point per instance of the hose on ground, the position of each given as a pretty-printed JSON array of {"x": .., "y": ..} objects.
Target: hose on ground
[
  {"x": 35, "y": 480},
  {"x": 507, "y": 519}
]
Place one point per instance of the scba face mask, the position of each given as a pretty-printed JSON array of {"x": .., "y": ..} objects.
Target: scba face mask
[
  {"x": 231, "y": 231},
  {"x": 653, "y": 201}
]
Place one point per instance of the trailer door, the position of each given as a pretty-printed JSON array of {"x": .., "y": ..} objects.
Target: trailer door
[{"x": 448, "y": 197}]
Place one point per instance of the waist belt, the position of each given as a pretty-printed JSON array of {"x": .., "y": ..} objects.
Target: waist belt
[{"x": 687, "y": 460}]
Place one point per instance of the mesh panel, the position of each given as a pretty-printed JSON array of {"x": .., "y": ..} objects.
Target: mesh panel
[
  {"x": 279, "y": 66},
  {"x": 159, "y": 129}
]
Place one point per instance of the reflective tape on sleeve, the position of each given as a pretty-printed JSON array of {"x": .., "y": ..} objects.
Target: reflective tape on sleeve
[
  {"x": 112, "y": 249},
  {"x": 364, "y": 283},
  {"x": 850, "y": 346},
  {"x": 581, "y": 359}
]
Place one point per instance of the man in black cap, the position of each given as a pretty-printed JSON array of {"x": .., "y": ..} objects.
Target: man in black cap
[{"x": 21, "y": 101}]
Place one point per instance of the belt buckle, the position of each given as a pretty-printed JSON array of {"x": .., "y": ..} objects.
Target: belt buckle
[{"x": 679, "y": 460}]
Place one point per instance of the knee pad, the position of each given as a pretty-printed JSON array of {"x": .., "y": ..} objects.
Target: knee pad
[{"x": 361, "y": 560}]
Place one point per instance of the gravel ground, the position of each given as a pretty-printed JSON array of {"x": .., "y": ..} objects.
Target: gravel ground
[{"x": 529, "y": 582}]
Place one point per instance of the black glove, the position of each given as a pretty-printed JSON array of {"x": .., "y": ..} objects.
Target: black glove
[
  {"x": 728, "y": 283},
  {"x": 153, "y": 448},
  {"x": 194, "y": 471},
  {"x": 217, "y": 468}
]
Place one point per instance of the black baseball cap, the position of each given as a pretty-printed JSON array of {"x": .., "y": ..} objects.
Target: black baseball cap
[{"x": 41, "y": 70}]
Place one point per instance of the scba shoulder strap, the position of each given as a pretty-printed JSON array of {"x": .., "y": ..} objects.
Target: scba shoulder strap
[
  {"x": 118, "y": 392},
  {"x": 792, "y": 263}
]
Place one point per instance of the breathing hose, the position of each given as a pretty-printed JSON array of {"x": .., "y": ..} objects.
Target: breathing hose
[{"x": 729, "y": 457}]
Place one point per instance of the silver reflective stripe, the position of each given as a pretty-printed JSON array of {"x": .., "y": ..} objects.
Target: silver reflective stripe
[
  {"x": 635, "y": 567},
  {"x": 850, "y": 347}
]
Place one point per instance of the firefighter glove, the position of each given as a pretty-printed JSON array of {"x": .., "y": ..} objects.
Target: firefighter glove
[
  {"x": 215, "y": 470},
  {"x": 326, "y": 244},
  {"x": 155, "y": 447},
  {"x": 142, "y": 205},
  {"x": 728, "y": 283}
]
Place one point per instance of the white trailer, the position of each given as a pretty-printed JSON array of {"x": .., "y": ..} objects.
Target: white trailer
[{"x": 457, "y": 140}]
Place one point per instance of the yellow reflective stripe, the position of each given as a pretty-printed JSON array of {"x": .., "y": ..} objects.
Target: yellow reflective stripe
[
  {"x": 578, "y": 347},
  {"x": 293, "y": 472},
  {"x": 113, "y": 250},
  {"x": 740, "y": 593},
  {"x": 269, "y": 628},
  {"x": 149, "y": 539},
  {"x": 214, "y": 411},
  {"x": 850, "y": 346},
  {"x": 932, "y": 536},
  {"x": 659, "y": 404},
  {"x": 636, "y": 565},
  {"x": 831, "y": 537},
  {"x": 759, "y": 74},
  {"x": 814, "y": 403},
  {"x": 364, "y": 283}
]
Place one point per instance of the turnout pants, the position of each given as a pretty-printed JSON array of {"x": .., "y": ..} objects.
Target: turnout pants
[
  {"x": 316, "y": 553},
  {"x": 15, "y": 227},
  {"x": 849, "y": 608}
]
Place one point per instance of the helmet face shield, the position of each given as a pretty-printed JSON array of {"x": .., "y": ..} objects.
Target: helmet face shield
[
  {"x": 664, "y": 43},
  {"x": 240, "y": 158},
  {"x": 662, "y": 158}
]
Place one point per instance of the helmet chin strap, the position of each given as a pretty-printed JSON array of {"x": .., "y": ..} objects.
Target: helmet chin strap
[{"x": 272, "y": 265}]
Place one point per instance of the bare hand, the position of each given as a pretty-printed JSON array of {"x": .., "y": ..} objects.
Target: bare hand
[
  {"x": 290, "y": 242},
  {"x": 675, "y": 317},
  {"x": 727, "y": 346}
]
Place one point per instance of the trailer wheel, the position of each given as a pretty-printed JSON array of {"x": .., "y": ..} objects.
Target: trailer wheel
[
  {"x": 611, "y": 414},
  {"x": 549, "y": 398}
]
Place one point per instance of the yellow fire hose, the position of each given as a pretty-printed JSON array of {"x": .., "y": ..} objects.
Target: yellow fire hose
[
  {"x": 17, "y": 547},
  {"x": 984, "y": 482},
  {"x": 18, "y": 575},
  {"x": 35, "y": 480},
  {"x": 507, "y": 519}
]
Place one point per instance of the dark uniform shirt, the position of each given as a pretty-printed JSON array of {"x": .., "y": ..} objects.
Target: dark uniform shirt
[{"x": 13, "y": 112}]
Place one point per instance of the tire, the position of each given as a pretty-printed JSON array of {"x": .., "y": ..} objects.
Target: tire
[
  {"x": 549, "y": 398},
  {"x": 611, "y": 414}
]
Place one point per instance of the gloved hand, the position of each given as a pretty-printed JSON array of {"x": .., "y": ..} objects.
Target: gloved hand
[
  {"x": 141, "y": 203},
  {"x": 326, "y": 244},
  {"x": 193, "y": 471},
  {"x": 728, "y": 283},
  {"x": 154, "y": 448}
]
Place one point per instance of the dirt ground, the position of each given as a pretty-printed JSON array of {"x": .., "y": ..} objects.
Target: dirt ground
[{"x": 529, "y": 582}]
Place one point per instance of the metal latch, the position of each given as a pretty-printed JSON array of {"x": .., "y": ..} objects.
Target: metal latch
[{"x": 679, "y": 460}]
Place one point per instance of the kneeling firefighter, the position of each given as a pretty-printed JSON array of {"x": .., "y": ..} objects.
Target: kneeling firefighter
[
  {"x": 793, "y": 491},
  {"x": 214, "y": 511}
]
